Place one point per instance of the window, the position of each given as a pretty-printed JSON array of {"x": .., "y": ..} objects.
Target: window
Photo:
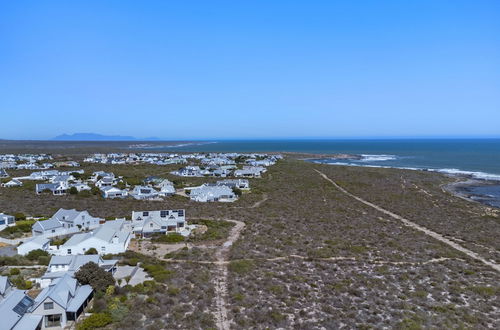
[
  {"x": 151, "y": 224},
  {"x": 53, "y": 320},
  {"x": 145, "y": 214},
  {"x": 69, "y": 251},
  {"x": 53, "y": 230},
  {"x": 48, "y": 305},
  {"x": 2, "y": 222},
  {"x": 103, "y": 248},
  {"x": 163, "y": 214}
]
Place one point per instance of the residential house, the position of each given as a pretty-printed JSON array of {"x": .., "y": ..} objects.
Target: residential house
[
  {"x": 250, "y": 171},
  {"x": 166, "y": 188},
  {"x": 65, "y": 222},
  {"x": 14, "y": 308},
  {"x": 188, "y": 171},
  {"x": 64, "y": 300},
  {"x": 149, "y": 223},
  {"x": 79, "y": 186},
  {"x": 110, "y": 237},
  {"x": 96, "y": 176},
  {"x": 210, "y": 193},
  {"x": 241, "y": 184},
  {"x": 3, "y": 173},
  {"x": 34, "y": 243},
  {"x": 70, "y": 264},
  {"x": 6, "y": 221},
  {"x": 144, "y": 192},
  {"x": 57, "y": 189},
  {"x": 113, "y": 192},
  {"x": 62, "y": 178},
  {"x": 12, "y": 183},
  {"x": 105, "y": 182}
]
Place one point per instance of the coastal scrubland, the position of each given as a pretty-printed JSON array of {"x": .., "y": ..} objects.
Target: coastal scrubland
[{"x": 310, "y": 256}]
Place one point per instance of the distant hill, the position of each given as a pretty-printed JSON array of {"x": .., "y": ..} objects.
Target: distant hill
[{"x": 99, "y": 137}]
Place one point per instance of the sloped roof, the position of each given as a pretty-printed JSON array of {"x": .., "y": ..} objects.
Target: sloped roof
[
  {"x": 13, "y": 307},
  {"x": 61, "y": 291},
  {"x": 49, "y": 224},
  {"x": 4, "y": 284}
]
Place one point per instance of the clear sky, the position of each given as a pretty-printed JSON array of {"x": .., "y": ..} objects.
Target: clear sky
[{"x": 245, "y": 69}]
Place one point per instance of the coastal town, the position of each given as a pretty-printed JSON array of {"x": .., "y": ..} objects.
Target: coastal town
[
  {"x": 48, "y": 287},
  {"x": 237, "y": 240}
]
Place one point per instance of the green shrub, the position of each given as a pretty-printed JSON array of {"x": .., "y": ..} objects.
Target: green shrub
[
  {"x": 216, "y": 229},
  {"x": 97, "y": 320},
  {"x": 19, "y": 216},
  {"x": 158, "y": 272},
  {"x": 241, "y": 266},
  {"x": 36, "y": 254},
  {"x": 168, "y": 238},
  {"x": 92, "y": 274},
  {"x": 73, "y": 191},
  {"x": 91, "y": 251},
  {"x": 15, "y": 271}
]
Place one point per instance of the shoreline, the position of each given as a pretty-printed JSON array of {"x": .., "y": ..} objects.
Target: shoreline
[{"x": 463, "y": 188}]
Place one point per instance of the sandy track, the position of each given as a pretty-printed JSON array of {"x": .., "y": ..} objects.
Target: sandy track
[
  {"x": 221, "y": 275},
  {"x": 413, "y": 225}
]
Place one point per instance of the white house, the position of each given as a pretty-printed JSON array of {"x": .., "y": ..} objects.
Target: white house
[
  {"x": 57, "y": 189},
  {"x": 3, "y": 173},
  {"x": 63, "y": 300},
  {"x": 6, "y": 221},
  {"x": 250, "y": 171},
  {"x": 14, "y": 308},
  {"x": 70, "y": 264},
  {"x": 188, "y": 171},
  {"x": 148, "y": 223},
  {"x": 143, "y": 192},
  {"x": 166, "y": 188},
  {"x": 113, "y": 192},
  {"x": 12, "y": 183},
  {"x": 110, "y": 237},
  {"x": 35, "y": 243},
  {"x": 210, "y": 193},
  {"x": 242, "y": 184},
  {"x": 65, "y": 222}
]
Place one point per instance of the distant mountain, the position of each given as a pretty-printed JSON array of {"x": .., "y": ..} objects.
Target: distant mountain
[{"x": 99, "y": 137}]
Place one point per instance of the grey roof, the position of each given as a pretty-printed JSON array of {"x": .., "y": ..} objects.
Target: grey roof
[
  {"x": 44, "y": 186},
  {"x": 74, "y": 262},
  {"x": 76, "y": 239},
  {"x": 13, "y": 307},
  {"x": 40, "y": 240},
  {"x": 81, "y": 294},
  {"x": 4, "y": 284},
  {"x": 111, "y": 229},
  {"x": 28, "y": 321},
  {"x": 66, "y": 215},
  {"x": 63, "y": 291},
  {"x": 62, "y": 178},
  {"x": 49, "y": 224}
]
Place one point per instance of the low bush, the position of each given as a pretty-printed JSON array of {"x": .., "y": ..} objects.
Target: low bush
[
  {"x": 168, "y": 238},
  {"x": 97, "y": 320},
  {"x": 241, "y": 266}
]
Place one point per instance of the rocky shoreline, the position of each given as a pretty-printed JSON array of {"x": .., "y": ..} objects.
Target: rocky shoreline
[{"x": 486, "y": 192}]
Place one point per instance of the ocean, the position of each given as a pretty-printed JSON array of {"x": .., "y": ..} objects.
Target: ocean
[{"x": 479, "y": 158}]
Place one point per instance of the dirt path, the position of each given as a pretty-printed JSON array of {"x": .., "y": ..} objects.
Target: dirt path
[
  {"x": 413, "y": 225},
  {"x": 265, "y": 197},
  {"x": 221, "y": 276}
]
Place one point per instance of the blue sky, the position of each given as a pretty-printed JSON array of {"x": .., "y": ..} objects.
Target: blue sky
[{"x": 250, "y": 69}]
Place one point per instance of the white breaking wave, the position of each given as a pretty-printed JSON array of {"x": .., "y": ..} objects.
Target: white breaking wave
[
  {"x": 188, "y": 144},
  {"x": 476, "y": 175},
  {"x": 451, "y": 171},
  {"x": 377, "y": 158}
]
